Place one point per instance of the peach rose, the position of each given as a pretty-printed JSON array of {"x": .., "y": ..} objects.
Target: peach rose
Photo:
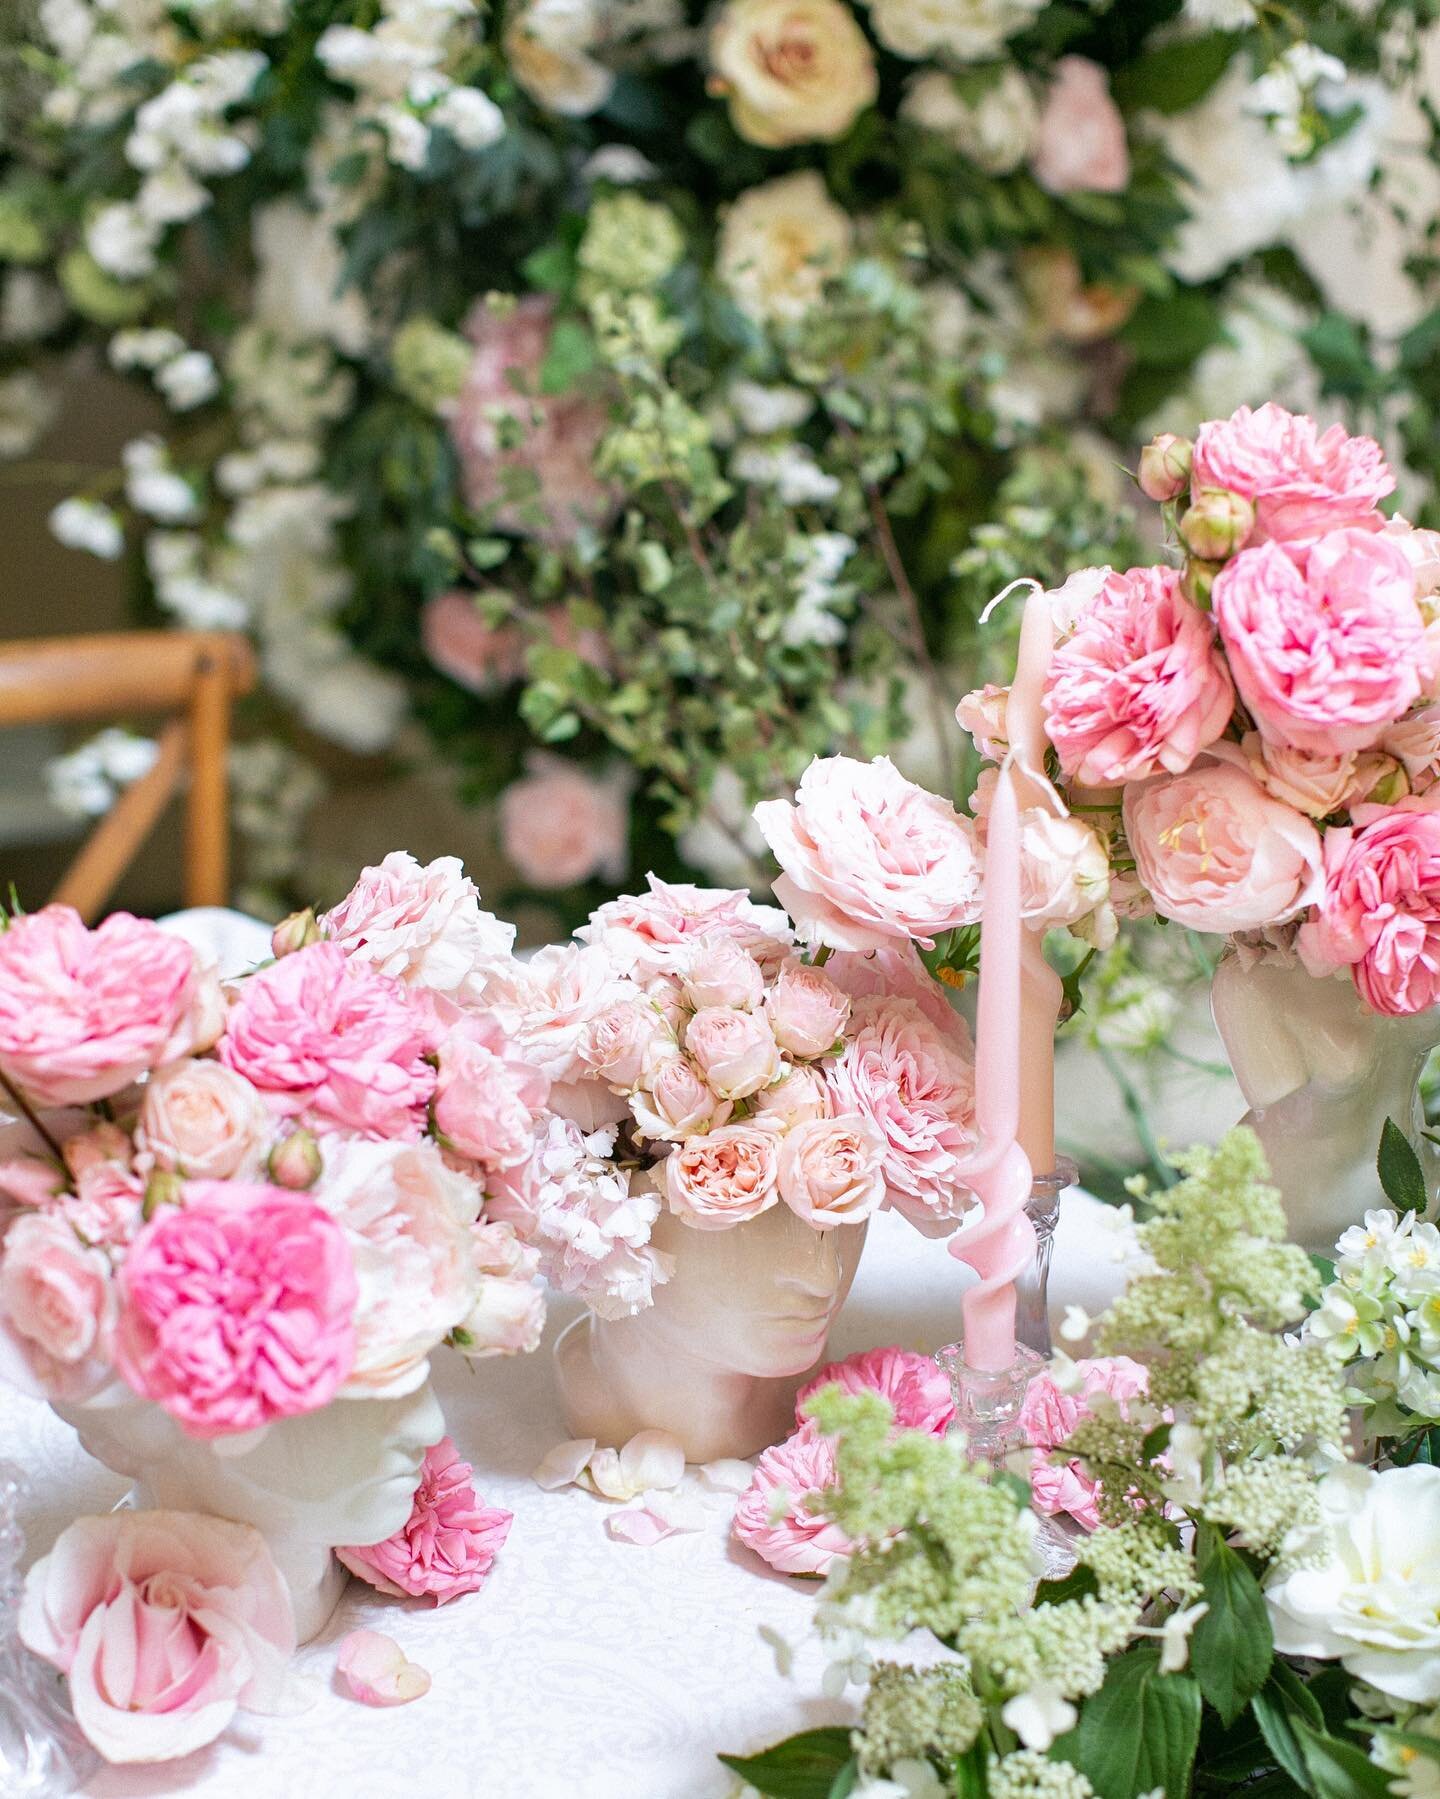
[
  {"x": 736, "y": 1052},
  {"x": 1080, "y": 144},
  {"x": 796, "y": 71},
  {"x": 724, "y": 1178},
  {"x": 1311, "y": 781},
  {"x": 560, "y": 826},
  {"x": 832, "y": 1170},
  {"x": 57, "y": 1309},
  {"x": 203, "y": 1120},
  {"x": 807, "y": 1011}
]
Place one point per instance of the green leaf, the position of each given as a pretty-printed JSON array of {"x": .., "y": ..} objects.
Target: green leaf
[
  {"x": 1341, "y": 354},
  {"x": 1401, "y": 1175},
  {"x": 1176, "y": 75},
  {"x": 571, "y": 354},
  {"x": 1339, "y": 1770},
  {"x": 1282, "y": 1705},
  {"x": 968, "y": 1778},
  {"x": 1173, "y": 329},
  {"x": 802, "y": 1767},
  {"x": 1232, "y": 1646},
  {"x": 845, "y": 1781},
  {"x": 1079, "y": 1582},
  {"x": 1138, "y": 1732}
]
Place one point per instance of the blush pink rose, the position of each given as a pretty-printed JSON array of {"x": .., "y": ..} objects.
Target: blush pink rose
[
  {"x": 1047, "y": 1419},
  {"x": 460, "y": 644},
  {"x": 982, "y": 714},
  {"x": 623, "y": 1042},
  {"x": 509, "y": 1313},
  {"x": 724, "y": 1178},
  {"x": 560, "y": 826},
  {"x": 105, "y": 1207},
  {"x": 448, "y": 1544},
  {"x": 735, "y": 1052},
  {"x": 807, "y": 1011},
  {"x": 323, "y": 1033},
  {"x": 654, "y": 933},
  {"x": 543, "y": 486},
  {"x": 1303, "y": 482},
  {"x": 1324, "y": 658},
  {"x": 201, "y": 1119},
  {"x": 57, "y": 1309},
  {"x": 164, "y": 1623},
  {"x": 674, "y": 1101},
  {"x": 237, "y": 1308},
  {"x": 1216, "y": 853},
  {"x": 869, "y": 858},
  {"x": 1415, "y": 744},
  {"x": 719, "y": 972},
  {"x": 421, "y": 925},
  {"x": 1140, "y": 686},
  {"x": 84, "y": 1013},
  {"x": 1080, "y": 141},
  {"x": 1311, "y": 781},
  {"x": 832, "y": 1171},
  {"x": 799, "y": 1094},
  {"x": 487, "y": 1096},
  {"x": 88, "y": 1149},
  {"x": 1379, "y": 914},
  {"x": 916, "y": 1390},
  {"x": 548, "y": 1004},
  {"x": 798, "y": 1541}
]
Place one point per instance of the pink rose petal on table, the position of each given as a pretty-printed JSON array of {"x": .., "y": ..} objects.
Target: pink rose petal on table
[
  {"x": 376, "y": 1670},
  {"x": 661, "y": 1515}
]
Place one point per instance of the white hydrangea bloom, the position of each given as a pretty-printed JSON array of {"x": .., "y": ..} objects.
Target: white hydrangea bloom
[
  {"x": 87, "y": 525},
  {"x": 87, "y": 782},
  {"x": 472, "y": 118},
  {"x": 189, "y": 380},
  {"x": 153, "y": 487},
  {"x": 122, "y": 240}
]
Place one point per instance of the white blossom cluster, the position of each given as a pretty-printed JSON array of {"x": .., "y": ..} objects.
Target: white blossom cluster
[
  {"x": 87, "y": 781},
  {"x": 1381, "y": 1313}
]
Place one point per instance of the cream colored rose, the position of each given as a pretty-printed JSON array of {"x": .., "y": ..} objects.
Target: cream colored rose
[
  {"x": 550, "y": 45},
  {"x": 970, "y": 30},
  {"x": 795, "y": 70},
  {"x": 780, "y": 244}
]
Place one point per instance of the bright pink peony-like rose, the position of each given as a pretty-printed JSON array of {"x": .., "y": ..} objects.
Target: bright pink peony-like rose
[
  {"x": 832, "y": 1171},
  {"x": 448, "y": 1544},
  {"x": 1324, "y": 659},
  {"x": 487, "y": 1096},
  {"x": 1080, "y": 142},
  {"x": 200, "y": 1118},
  {"x": 1216, "y": 853},
  {"x": 1140, "y": 686},
  {"x": 870, "y": 858},
  {"x": 57, "y": 1309},
  {"x": 724, "y": 1178},
  {"x": 460, "y": 644},
  {"x": 735, "y": 1052},
  {"x": 323, "y": 1033},
  {"x": 165, "y": 1624},
  {"x": 1047, "y": 1418},
  {"x": 917, "y": 1392},
  {"x": 799, "y": 1541},
  {"x": 1380, "y": 912},
  {"x": 560, "y": 825},
  {"x": 237, "y": 1308},
  {"x": 654, "y": 933},
  {"x": 1303, "y": 482},
  {"x": 419, "y": 924},
  {"x": 84, "y": 1013}
]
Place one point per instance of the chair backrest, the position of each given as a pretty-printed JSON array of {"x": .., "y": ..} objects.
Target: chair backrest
[{"x": 193, "y": 676}]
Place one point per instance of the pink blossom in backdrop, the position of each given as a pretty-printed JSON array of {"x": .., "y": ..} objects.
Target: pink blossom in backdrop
[
  {"x": 1326, "y": 657},
  {"x": 448, "y": 1544},
  {"x": 460, "y": 644},
  {"x": 1047, "y": 1418},
  {"x": 319, "y": 1032},
  {"x": 165, "y": 1623},
  {"x": 799, "y": 1541},
  {"x": 1080, "y": 141},
  {"x": 652, "y": 933},
  {"x": 724, "y": 1178},
  {"x": 84, "y": 1013},
  {"x": 832, "y": 1170},
  {"x": 1304, "y": 482},
  {"x": 237, "y": 1308},
  {"x": 560, "y": 826},
  {"x": 1140, "y": 686},
  {"x": 913, "y": 1385},
  {"x": 869, "y": 858},
  {"x": 422, "y": 925},
  {"x": 487, "y": 1096},
  {"x": 57, "y": 1309},
  {"x": 201, "y": 1119},
  {"x": 1380, "y": 911}
]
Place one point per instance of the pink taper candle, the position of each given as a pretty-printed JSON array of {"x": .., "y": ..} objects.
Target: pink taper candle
[
  {"x": 1040, "y": 988},
  {"x": 1002, "y": 1244}
]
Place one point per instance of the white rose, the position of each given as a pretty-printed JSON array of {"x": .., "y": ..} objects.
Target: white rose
[
  {"x": 996, "y": 131},
  {"x": 779, "y": 245},
  {"x": 796, "y": 71},
  {"x": 969, "y": 29}
]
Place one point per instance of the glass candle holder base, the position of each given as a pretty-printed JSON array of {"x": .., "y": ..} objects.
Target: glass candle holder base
[{"x": 1032, "y": 1286}]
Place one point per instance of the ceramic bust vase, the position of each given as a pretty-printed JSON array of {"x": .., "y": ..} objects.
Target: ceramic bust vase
[
  {"x": 717, "y": 1359},
  {"x": 1322, "y": 1073},
  {"x": 344, "y": 1474}
]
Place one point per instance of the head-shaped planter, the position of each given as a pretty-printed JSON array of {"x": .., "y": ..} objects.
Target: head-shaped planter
[
  {"x": 344, "y": 1474},
  {"x": 719, "y": 1356}
]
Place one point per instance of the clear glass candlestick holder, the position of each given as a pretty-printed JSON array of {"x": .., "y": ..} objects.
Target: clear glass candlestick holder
[{"x": 1032, "y": 1287}]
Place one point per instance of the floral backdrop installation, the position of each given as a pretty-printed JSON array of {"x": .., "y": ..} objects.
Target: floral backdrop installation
[{"x": 645, "y": 393}]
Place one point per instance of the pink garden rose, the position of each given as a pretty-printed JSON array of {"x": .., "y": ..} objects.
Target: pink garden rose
[
  {"x": 734, "y": 1052},
  {"x": 918, "y": 1087},
  {"x": 654, "y": 933},
  {"x": 201, "y": 1119},
  {"x": 1216, "y": 853},
  {"x": 982, "y": 713},
  {"x": 1080, "y": 143},
  {"x": 799, "y": 1094},
  {"x": 832, "y": 1171},
  {"x": 807, "y": 1011},
  {"x": 719, "y": 972},
  {"x": 487, "y": 1097},
  {"x": 560, "y": 826},
  {"x": 57, "y": 1309},
  {"x": 1312, "y": 781},
  {"x": 237, "y": 1308},
  {"x": 1303, "y": 482},
  {"x": 165, "y": 1623},
  {"x": 323, "y": 1033},
  {"x": 724, "y": 1178},
  {"x": 84, "y": 1013},
  {"x": 674, "y": 1101},
  {"x": 623, "y": 1041},
  {"x": 1379, "y": 914},
  {"x": 799, "y": 1541},
  {"x": 913, "y": 1386},
  {"x": 869, "y": 858},
  {"x": 548, "y": 1004},
  {"x": 1139, "y": 687},
  {"x": 460, "y": 644},
  {"x": 424, "y": 926},
  {"x": 1324, "y": 658},
  {"x": 1047, "y": 1418},
  {"x": 105, "y": 1207},
  {"x": 446, "y": 1546}
]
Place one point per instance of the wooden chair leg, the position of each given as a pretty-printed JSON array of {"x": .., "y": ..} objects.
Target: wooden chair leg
[
  {"x": 94, "y": 874},
  {"x": 207, "y": 825}
]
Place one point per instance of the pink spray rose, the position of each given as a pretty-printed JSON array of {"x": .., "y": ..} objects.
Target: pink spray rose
[
  {"x": 799, "y": 1094},
  {"x": 807, "y": 1011},
  {"x": 1303, "y": 482},
  {"x": 719, "y": 972},
  {"x": 460, "y": 644},
  {"x": 832, "y": 1171},
  {"x": 622, "y": 1042},
  {"x": 105, "y": 1207},
  {"x": 324, "y": 1033},
  {"x": 1380, "y": 912},
  {"x": 1311, "y": 781},
  {"x": 487, "y": 1096},
  {"x": 674, "y": 1101},
  {"x": 870, "y": 858},
  {"x": 799, "y": 1541},
  {"x": 715, "y": 1181},
  {"x": 560, "y": 826},
  {"x": 1216, "y": 853},
  {"x": 735, "y": 1052},
  {"x": 1047, "y": 1418},
  {"x": 57, "y": 1309},
  {"x": 165, "y": 1624},
  {"x": 448, "y": 1544},
  {"x": 237, "y": 1308},
  {"x": 1080, "y": 143},
  {"x": 84, "y": 1013},
  {"x": 982, "y": 713},
  {"x": 1324, "y": 659},
  {"x": 917, "y": 1392},
  {"x": 654, "y": 933},
  {"x": 1140, "y": 686},
  {"x": 200, "y": 1118},
  {"x": 419, "y": 925}
]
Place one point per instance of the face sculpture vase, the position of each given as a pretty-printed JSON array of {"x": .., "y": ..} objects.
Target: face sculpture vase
[{"x": 718, "y": 1358}]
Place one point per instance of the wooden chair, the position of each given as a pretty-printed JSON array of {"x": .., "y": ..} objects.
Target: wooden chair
[{"x": 192, "y": 675}]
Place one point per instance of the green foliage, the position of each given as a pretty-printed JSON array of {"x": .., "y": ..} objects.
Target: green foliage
[
  {"x": 809, "y": 1766},
  {"x": 1231, "y": 1647},
  {"x": 1401, "y": 1176},
  {"x": 1139, "y": 1732}
]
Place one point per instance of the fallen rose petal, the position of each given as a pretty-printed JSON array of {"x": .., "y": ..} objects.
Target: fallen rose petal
[
  {"x": 652, "y": 1459},
  {"x": 376, "y": 1670},
  {"x": 727, "y": 1475},
  {"x": 681, "y": 1511},
  {"x": 564, "y": 1464},
  {"x": 603, "y": 1476},
  {"x": 638, "y": 1525}
]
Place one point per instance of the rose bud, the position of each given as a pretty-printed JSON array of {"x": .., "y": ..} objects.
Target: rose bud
[
  {"x": 1196, "y": 580},
  {"x": 103, "y": 1142},
  {"x": 807, "y": 1011},
  {"x": 298, "y": 931},
  {"x": 1379, "y": 781},
  {"x": 721, "y": 973},
  {"x": 1217, "y": 524},
  {"x": 295, "y": 1162},
  {"x": 1165, "y": 467}
]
